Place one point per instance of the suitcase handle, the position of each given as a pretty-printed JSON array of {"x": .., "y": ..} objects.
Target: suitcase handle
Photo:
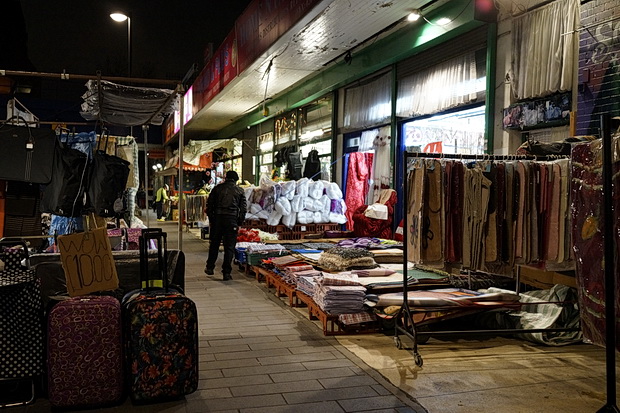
[
  {"x": 161, "y": 239},
  {"x": 15, "y": 242}
]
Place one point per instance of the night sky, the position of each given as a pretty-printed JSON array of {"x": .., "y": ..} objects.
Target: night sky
[{"x": 79, "y": 36}]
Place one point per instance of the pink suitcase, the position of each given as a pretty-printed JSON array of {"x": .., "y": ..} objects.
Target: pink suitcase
[{"x": 85, "y": 352}]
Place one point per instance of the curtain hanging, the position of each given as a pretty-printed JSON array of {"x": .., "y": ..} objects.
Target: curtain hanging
[
  {"x": 543, "y": 50},
  {"x": 447, "y": 85},
  {"x": 368, "y": 105}
]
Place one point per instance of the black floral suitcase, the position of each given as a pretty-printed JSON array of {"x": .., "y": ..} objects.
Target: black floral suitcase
[
  {"x": 21, "y": 322},
  {"x": 160, "y": 333}
]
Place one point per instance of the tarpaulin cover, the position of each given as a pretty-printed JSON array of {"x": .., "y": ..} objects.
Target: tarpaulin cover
[{"x": 125, "y": 105}]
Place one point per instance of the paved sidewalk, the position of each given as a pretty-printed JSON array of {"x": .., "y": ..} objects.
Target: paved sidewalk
[{"x": 256, "y": 355}]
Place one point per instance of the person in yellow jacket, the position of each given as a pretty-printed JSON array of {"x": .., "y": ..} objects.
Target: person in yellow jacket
[{"x": 160, "y": 197}]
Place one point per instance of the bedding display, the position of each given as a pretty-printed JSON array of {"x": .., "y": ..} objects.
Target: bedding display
[{"x": 304, "y": 201}]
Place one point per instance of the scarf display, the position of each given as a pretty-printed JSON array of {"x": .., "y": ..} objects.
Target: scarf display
[{"x": 489, "y": 215}]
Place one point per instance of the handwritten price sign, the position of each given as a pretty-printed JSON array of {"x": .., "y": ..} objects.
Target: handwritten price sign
[{"x": 88, "y": 262}]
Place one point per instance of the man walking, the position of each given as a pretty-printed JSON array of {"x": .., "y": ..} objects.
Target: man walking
[{"x": 226, "y": 207}]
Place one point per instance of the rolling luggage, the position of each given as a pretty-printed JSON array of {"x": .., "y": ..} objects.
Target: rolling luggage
[
  {"x": 84, "y": 352},
  {"x": 160, "y": 333},
  {"x": 21, "y": 325}
]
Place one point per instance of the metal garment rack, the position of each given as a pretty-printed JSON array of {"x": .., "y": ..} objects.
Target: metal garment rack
[{"x": 405, "y": 313}]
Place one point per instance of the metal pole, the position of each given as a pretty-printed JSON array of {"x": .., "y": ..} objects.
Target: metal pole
[
  {"x": 145, "y": 129},
  {"x": 68, "y": 76},
  {"x": 610, "y": 266},
  {"x": 129, "y": 46},
  {"x": 181, "y": 144}
]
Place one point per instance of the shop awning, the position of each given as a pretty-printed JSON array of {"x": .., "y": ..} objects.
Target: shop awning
[
  {"x": 172, "y": 168},
  {"x": 126, "y": 105}
]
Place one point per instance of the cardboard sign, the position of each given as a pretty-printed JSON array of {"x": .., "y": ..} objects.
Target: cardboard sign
[{"x": 88, "y": 262}]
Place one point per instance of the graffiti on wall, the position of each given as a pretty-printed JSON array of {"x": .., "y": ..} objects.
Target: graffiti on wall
[{"x": 599, "y": 67}]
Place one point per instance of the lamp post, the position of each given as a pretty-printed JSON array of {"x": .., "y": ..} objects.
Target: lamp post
[{"x": 121, "y": 17}]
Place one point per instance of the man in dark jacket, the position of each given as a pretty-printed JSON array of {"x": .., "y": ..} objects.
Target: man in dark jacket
[{"x": 226, "y": 208}]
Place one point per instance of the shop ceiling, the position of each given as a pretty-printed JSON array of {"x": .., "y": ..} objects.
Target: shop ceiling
[{"x": 323, "y": 37}]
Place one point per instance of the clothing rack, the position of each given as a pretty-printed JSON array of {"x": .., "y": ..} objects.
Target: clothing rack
[{"x": 405, "y": 313}]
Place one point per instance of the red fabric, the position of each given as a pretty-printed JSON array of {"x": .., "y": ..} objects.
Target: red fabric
[
  {"x": 370, "y": 227},
  {"x": 360, "y": 165}
]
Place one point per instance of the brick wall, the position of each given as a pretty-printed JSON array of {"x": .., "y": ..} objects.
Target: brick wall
[{"x": 599, "y": 64}]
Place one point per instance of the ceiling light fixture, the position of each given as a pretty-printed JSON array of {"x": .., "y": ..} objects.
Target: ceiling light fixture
[
  {"x": 443, "y": 21},
  {"x": 414, "y": 15}
]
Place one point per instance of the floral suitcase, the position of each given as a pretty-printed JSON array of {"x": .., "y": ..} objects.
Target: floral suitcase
[
  {"x": 160, "y": 333},
  {"x": 85, "y": 363}
]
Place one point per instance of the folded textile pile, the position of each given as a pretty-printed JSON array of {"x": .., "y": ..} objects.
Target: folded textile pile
[
  {"x": 318, "y": 245},
  {"x": 284, "y": 261},
  {"x": 256, "y": 247},
  {"x": 374, "y": 272},
  {"x": 306, "y": 285},
  {"x": 291, "y": 274},
  {"x": 340, "y": 299},
  {"x": 343, "y": 278},
  {"x": 357, "y": 318},
  {"x": 389, "y": 281},
  {"x": 341, "y": 259}
]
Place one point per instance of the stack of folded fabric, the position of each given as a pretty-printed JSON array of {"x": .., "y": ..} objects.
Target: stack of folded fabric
[
  {"x": 290, "y": 274},
  {"x": 306, "y": 285},
  {"x": 339, "y": 294},
  {"x": 341, "y": 259},
  {"x": 377, "y": 278}
]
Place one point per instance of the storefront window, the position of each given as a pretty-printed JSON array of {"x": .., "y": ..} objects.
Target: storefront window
[
  {"x": 460, "y": 132},
  {"x": 285, "y": 128},
  {"x": 265, "y": 148}
]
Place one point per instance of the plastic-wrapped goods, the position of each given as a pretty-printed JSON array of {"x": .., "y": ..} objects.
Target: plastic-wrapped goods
[
  {"x": 288, "y": 189},
  {"x": 305, "y": 217},
  {"x": 289, "y": 220},
  {"x": 337, "y": 218},
  {"x": 249, "y": 194},
  {"x": 315, "y": 189},
  {"x": 274, "y": 218},
  {"x": 310, "y": 205},
  {"x": 283, "y": 206},
  {"x": 333, "y": 191},
  {"x": 297, "y": 204},
  {"x": 302, "y": 187},
  {"x": 316, "y": 217},
  {"x": 325, "y": 208}
]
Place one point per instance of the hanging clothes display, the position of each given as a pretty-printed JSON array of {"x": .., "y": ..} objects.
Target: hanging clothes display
[
  {"x": 588, "y": 223},
  {"x": 488, "y": 214},
  {"x": 360, "y": 165},
  {"x": 381, "y": 166}
]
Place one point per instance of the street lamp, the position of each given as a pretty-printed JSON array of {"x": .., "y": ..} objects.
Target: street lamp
[{"x": 121, "y": 17}]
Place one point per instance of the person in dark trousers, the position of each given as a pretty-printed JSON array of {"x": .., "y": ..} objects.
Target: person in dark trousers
[
  {"x": 226, "y": 207},
  {"x": 160, "y": 197}
]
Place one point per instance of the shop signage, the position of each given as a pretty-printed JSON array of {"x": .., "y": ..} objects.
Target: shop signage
[
  {"x": 257, "y": 29},
  {"x": 229, "y": 59},
  {"x": 246, "y": 28},
  {"x": 88, "y": 262}
]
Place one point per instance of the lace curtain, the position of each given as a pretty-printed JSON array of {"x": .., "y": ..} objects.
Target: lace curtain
[
  {"x": 441, "y": 87},
  {"x": 368, "y": 105},
  {"x": 543, "y": 49}
]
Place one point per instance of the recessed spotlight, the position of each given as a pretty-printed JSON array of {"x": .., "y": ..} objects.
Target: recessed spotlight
[
  {"x": 443, "y": 21},
  {"x": 414, "y": 15}
]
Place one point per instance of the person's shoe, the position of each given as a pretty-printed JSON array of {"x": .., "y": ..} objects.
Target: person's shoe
[
  {"x": 208, "y": 271},
  {"x": 227, "y": 277},
  {"x": 160, "y": 219}
]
